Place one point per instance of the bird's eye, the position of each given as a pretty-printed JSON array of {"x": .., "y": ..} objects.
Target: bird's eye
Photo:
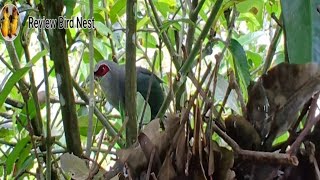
[{"x": 103, "y": 70}]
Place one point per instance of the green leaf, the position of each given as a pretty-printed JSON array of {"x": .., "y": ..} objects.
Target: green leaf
[
  {"x": 24, "y": 155},
  {"x": 4, "y": 132},
  {"x": 140, "y": 101},
  {"x": 37, "y": 57},
  {"x": 240, "y": 61},
  {"x": 102, "y": 28},
  {"x": 14, "y": 78},
  {"x": 240, "y": 65},
  {"x": 148, "y": 40},
  {"x": 69, "y": 4},
  {"x": 31, "y": 112},
  {"x": 284, "y": 137},
  {"x": 14, "y": 155},
  {"x": 302, "y": 28},
  {"x": 18, "y": 46},
  {"x": 117, "y": 10},
  {"x": 143, "y": 22},
  {"x": 100, "y": 49},
  {"x": 176, "y": 24},
  {"x": 163, "y": 8},
  {"x": 255, "y": 58},
  {"x": 250, "y": 37},
  {"x": 254, "y": 7},
  {"x": 26, "y": 164},
  {"x": 83, "y": 122}
]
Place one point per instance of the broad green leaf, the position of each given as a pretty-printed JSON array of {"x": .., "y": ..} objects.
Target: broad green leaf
[
  {"x": 117, "y": 10},
  {"x": 100, "y": 49},
  {"x": 254, "y": 59},
  {"x": 148, "y": 40},
  {"x": 240, "y": 60},
  {"x": 102, "y": 28},
  {"x": 14, "y": 155},
  {"x": 14, "y": 78},
  {"x": 141, "y": 23},
  {"x": 83, "y": 122},
  {"x": 24, "y": 155},
  {"x": 255, "y": 7},
  {"x": 86, "y": 57},
  {"x": 240, "y": 65},
  {"x": 302, "y": 29},
  {"x": 163, "y": 8},
  {"x": 31, "y": 113},
  {"x": 250, "y": 37},
  {"x": 140, "y": 101},
  {"x": 4, "y": 132},
  {"x": 251, "y": 22},
  {"x": 37, "y": 57},
  {"x": 284, "y": 137},
  {"x": 27, "y": 164},
  {"x": 99, "y": 17},
  {"x": 18, "y": 46},
  {"x": 69, "y": 4},
  {"x": 273, "y": 6}
]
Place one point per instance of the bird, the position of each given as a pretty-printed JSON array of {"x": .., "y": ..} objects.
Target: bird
[
  {"x": 14, "y": 20},
  {"x": 111, "y": 77},
  {"x": 5, "y": 25}
]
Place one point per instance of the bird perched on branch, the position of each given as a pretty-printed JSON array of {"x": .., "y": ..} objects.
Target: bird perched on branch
[{"x": 111, "y": 78}]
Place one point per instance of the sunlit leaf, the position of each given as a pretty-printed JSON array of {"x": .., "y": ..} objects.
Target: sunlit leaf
[
  {"x": 118, "y": 9},
  {"x": 102, "y": 28},
  {"x": 254, "y": 7},
  {"x": 14, "y": 78},
  {"x": 27, "y": 164},
  {"x": 24, "y": 155},
  {"x": 14, "y": 155},
  {"x": 17, "y": 75}
]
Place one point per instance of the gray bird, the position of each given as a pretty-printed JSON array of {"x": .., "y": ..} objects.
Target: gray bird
[{"x": 111, "y": 78}]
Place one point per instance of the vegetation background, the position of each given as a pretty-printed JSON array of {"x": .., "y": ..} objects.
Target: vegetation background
[{"x": 198, "y": 48}]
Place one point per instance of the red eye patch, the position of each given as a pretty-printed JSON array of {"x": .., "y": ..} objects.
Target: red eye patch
[{"x": 103, "y": 70}]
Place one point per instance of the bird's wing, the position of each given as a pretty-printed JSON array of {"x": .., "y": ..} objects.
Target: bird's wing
[{"x": 148, "y": 73}]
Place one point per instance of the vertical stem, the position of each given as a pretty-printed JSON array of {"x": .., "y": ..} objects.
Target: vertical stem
[
  {"x": 58, "y": 53},
  {"x": 91, "y": 85},
  {"x": 48, "y": 123},
  {"x": 131, "y": 85}
]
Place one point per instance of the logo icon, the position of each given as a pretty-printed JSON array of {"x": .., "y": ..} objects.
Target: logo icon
[{"x": 10, "y": 24}]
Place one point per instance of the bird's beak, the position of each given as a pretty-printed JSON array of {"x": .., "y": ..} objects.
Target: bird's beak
[{"x": 95, "y": 78}]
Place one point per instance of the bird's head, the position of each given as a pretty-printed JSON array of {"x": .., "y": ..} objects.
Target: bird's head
[{"x": 102, "y": 69}]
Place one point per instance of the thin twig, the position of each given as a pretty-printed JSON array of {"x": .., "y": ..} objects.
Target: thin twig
[
  {"x": 149, "y": 90},
  {"x": 311, "y": 121},
  {"x": 263, "y": 157},
  {"x": 150, "y": 163},
  {"x": 272, "y": 48},
  {"x": 48, "y": 115}
]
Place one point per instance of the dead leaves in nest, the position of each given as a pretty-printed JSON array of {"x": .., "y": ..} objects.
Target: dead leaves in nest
[
  {"x": 277, "y": 97},
  {"x": 170, "y": 154}
]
